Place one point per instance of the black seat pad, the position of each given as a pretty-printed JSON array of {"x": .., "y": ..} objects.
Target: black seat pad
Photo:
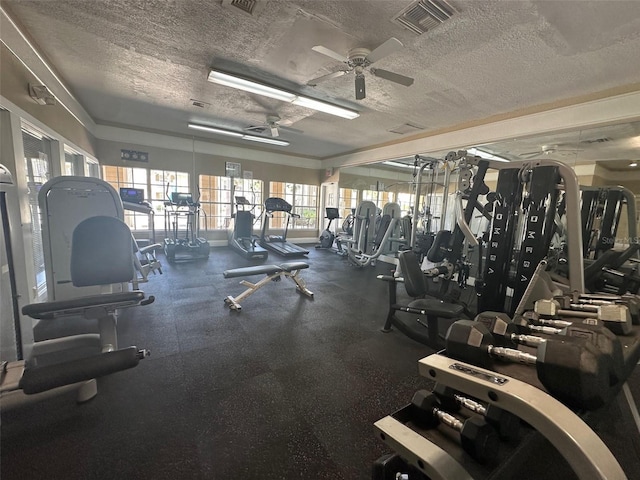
[
  {"x": 291, "y": 266},
  {"x": 47, "y": 310},
  {"x": 438, "y": 308},
  {"x": 248, "y": 271}
]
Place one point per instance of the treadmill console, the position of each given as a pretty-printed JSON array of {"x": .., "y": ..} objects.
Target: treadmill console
[
  {"x": 132, "y": 195},
  {"x": 242, "y": 201},
  {"x": 275, "y": 204}
]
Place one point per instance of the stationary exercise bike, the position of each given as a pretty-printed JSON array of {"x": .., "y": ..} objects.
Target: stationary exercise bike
[{"x": 327, "y": 237}]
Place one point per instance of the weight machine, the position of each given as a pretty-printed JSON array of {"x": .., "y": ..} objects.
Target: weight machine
[{"x": 100, "y": 254}]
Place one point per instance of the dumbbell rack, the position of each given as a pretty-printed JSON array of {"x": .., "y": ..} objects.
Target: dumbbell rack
[{"x": 514, "y": 388}]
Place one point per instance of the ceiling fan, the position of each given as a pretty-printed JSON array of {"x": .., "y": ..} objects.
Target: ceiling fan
[
  {"x": 547, "y": 150},
  {"x": 357, "y": 60},
  {"x": 274, "y": 124}
]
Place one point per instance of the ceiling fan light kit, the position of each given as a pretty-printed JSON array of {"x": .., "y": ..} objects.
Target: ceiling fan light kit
[
  {"x": 243, "y": 136},
  {"x": 240, "y": 83}
]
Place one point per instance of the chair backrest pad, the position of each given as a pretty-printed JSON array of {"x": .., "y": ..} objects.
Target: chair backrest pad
[{"x": 101, "y": 252}]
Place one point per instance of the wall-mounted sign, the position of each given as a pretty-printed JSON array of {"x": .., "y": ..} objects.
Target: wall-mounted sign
[
  {"x": 247, "y": 175},
  {"x": 233, "y": 170},
  {"x": 134, "y": 156}
]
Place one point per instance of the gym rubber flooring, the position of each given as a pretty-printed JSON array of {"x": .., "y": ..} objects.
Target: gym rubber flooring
[{"x": 288, "y": 388}]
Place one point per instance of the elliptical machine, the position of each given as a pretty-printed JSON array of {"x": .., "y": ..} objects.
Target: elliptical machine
[{"x": 327, "y": 237}]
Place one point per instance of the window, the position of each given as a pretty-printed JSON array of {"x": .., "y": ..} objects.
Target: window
[
  {"x": 405, "y": 202},
  {"x": 304, "y": 199},
  {"x": 91, "y": 168},
  {"x": 379, "y": 198},
  {"x": 348, "y": 201},
  {"x": 163, "y": 183},
  {"x": 218, "y": 202},
  {"x": 69, "y": 163},
  {"x": 119, "y": 177},
  {"x": 37, "y": 149}
]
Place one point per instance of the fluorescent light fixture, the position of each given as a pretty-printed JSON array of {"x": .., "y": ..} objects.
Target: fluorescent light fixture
[
  {"x": 398, "y": 164},
  {"x": 249, "y": 86},
  {"x": 486, "y": 155},
  {"x": 325, "y": 107},
  {"x": 271, "y": 141},
  {"x": 231, "y": 133},
  {"x": 240, "y": 83},
  {"x": 220, "y": 131},
  {"x": 633, "y": 164}
]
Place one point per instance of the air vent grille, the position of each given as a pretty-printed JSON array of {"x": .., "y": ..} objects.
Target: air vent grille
[
  {"x": 245, "y": 5},
  {"x": 199, "y": 103},
  {"x": 597, "y": 140},
  {"x": 424, "y": 15}
]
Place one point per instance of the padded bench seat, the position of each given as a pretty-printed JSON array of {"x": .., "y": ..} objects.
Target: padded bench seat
[
  {"x": 50, "y": 310},
  {"x": 265, "y": 269},
  {"x": 249, "y": 271}
]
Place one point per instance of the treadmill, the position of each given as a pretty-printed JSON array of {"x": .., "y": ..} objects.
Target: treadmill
[
  {"x": 277, "y": 243},
  {"x": 241, "y": 238}
]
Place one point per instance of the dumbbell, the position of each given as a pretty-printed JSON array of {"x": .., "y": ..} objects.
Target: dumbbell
[
  {"x": 616, "y": 318},
  {"x": 506, "y": 424},
  {"x": 477, "y": 437},
  {"x": 576, "y": 373},
  {"x": 629, "y": 300},
  {"x": 509, "y": 333}
]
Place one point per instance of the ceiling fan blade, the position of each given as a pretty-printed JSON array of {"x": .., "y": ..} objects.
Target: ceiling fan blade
[
  {"x": 268, "y": 108},
  {"x": 313, "y": 82},
  {"x": 291, "y": 129},
  {"x": 387, "y": 48},
  {"x": 393, "y": 77},
  {"x": 531, "y": 154},
  {"x": 255, "y": 128},
  {"x": 330, "y": 53},
  {"x": 360, "y": 90}
]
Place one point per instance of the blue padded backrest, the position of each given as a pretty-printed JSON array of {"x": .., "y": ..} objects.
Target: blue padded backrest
[
  {"x": 101, "y": 252},
  {"x": 413, "y": 277}
]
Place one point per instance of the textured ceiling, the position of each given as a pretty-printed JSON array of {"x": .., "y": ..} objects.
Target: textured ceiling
[{"x": 139, "y": 63}]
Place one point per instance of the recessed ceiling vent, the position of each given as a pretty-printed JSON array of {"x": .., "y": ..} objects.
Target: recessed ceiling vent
[
  {"x": 199, "y": 103},
  {"x": 247, "y": 6},
  {"x": 424, "y": 15},
  {"x": 597, "y": 140},
  {"x": 406, "y": 128}
]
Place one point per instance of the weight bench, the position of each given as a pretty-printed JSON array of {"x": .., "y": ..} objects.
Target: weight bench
[{"x": 273, "y": 273}]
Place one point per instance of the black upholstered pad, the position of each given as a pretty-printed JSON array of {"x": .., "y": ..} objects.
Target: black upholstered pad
[
  {"x": 413, "y": 276},
  {"x": 248, "y": 271},
  {"x": 47, "y": 310},
  {"x": 101, "y": 252},
  {"x": 438, "y": 308},
  {"x": 291, "y": 266}
]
